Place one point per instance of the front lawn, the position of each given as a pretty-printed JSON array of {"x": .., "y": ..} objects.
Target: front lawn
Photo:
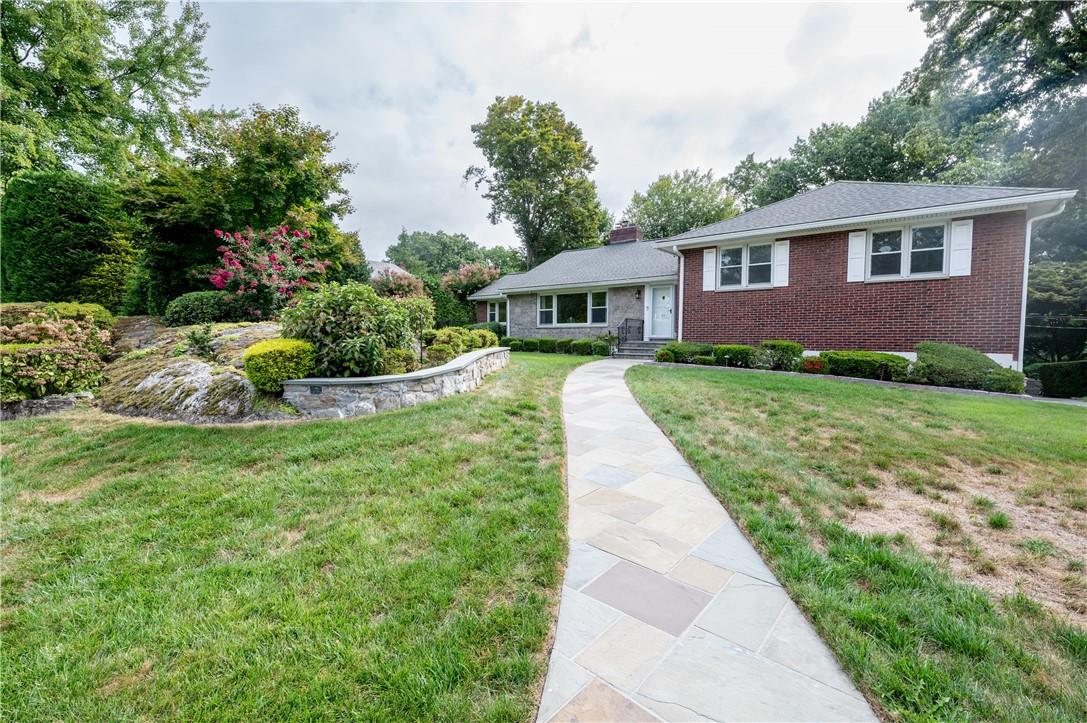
[
  {"x": 395, "y": 567},
  {"x": 937, "y": 541}
]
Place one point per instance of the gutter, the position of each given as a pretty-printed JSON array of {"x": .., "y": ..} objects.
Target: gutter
[
  {"x": 679, "y": 305},
  {"x": 1026, "y": 273}
]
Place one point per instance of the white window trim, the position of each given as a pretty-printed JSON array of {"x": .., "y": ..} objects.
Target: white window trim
[
  {"x": 744, "y": 265},
  {"x": 588, "y": 308},
  {"x": 907, "y": 252},
  {"x": 493, "y": 312}
]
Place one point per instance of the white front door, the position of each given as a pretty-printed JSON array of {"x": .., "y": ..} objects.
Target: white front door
[{"x": 660, "y": 325}]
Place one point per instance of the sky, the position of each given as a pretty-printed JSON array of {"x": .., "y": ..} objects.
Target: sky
[{"x": 654, "y": 88}]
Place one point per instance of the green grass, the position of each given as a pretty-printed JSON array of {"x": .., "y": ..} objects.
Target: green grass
[
  {"x": 787, "y": 457},
  {"x": 403, "y": 566}
]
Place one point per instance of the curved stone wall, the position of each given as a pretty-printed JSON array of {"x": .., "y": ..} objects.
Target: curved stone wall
[{"x": 353, "y": 396}]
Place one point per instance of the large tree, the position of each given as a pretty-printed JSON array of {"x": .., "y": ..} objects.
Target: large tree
[
  {"x": 434, "y": 253},
  {"x": 680, "y": 201},
  {"x": 537, "y": 177},
  {"x": 95, "y": 84}
]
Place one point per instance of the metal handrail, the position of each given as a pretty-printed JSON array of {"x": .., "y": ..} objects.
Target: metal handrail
[{"x": 631, "y": 330}]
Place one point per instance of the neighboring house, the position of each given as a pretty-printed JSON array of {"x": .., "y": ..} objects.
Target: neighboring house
[
  {"x": 377, "y": 268},
  {"x": 612, "y": 288},
  {"x": 851, "y": 265}
]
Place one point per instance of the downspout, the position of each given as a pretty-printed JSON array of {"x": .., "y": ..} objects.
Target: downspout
[
  {"x": 1026, "y": 274},
  {"x": 679, "y": 321}
]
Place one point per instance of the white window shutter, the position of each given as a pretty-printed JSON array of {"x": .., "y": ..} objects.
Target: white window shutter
[
  {"x": 709, "y": 269},
  {"x": 855, "y": 270},
  {"x": 781, "y": 263},
  {"x": 962, "y": 247}
]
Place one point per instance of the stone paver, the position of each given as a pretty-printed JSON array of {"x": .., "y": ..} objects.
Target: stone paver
[{"x": 667, "y": 611}]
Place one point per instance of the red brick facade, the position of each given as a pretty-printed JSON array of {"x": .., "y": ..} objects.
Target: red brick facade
[
  {"x": 481, "y": 311},
  {"x": 821, "y": 310}
]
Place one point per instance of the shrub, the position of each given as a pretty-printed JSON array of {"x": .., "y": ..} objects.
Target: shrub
[
  {"x": 457, "y": 337},
  {"x": 665, "y": 355},
  {"x": 685, "y": 352},
  {"x": 198, "y": 342},
  {"x": 43, "y": 327},
  {"x": 484, "y": 338},
  {"x": 866, "y": 365},
  {"x": 361, "y": 356},
  {"x": 400, "y": 361},
  {"x": 505, "y": 341},
  {"x": 498, "y": 328},
  {"x": 950, "y": 365},
  {"x": 530, "y": 345},
  {"x": 562, "y": 346},
  {"x": 601, "y": 348},
  {"x": 734, "y": 355},
  {"x": 439, "y": 354},
  {"x": 779, "y": 354},
  {"x": 448, "y": 310},
  {"x": 582, "y": 347},
  {"x": 468, "y": 279},
  {"x": 36, "y": 370},
  {"x": 19, "y": 313},
  {"x": 548, "y": 346},
  {"x": 202, "y": 307},
  {"x": 703, "y": 360},
  {"x": 396, "y": 284},
  {"x": 813, "y": 365},
  {"x": 268, "y": 363},
  {"x": 516, "y": 345},
  {"x": 1005, "y": 380},
  {"x": 1065, "y": 379}
]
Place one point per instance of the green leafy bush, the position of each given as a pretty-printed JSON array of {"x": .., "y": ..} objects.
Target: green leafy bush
[
  {"x": 457, "y": 337},
  {"x": 496, "y": 327},
  {"x": 202, "y": 307},
  {"x": 548, "y": 346},
  {"x": 950, "y": 365},
  {"x": 505, "y": 341},
  {"x": 866, "y": 365},
  {"x": 361, "y": 356},
  {"x": 530, "y": 345},
  {"x": 684, "y": 352},
  {"x": 1066, "y": 379},
  {"x": 1005, "y": 380},
  {"x": 400, "y": 361},
  {"x": 439, "y": 354},
  {"x": 198, "y": 342},
  {"x": 704, "y": 360},
  {"x": 484, "y": 338},
  {"x": 268, "y": 363},
  {"x": 582, "y": 347},
  {"x": 20, "y": 312},
  {"x": 665, "y": 355},
  {"x": 562, "y": 346},
  {"x": 734, "y": 355},
  {"x": 601, "y": 348},
  {"x": 516, "y": 344},
  {"x": 779, "y": 354},
  {"x": 36, "y": 370}
]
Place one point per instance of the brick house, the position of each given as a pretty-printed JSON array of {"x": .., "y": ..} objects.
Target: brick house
[{"x": 851, "y": 265}]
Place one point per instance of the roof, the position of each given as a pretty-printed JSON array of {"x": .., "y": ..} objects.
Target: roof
[
  {"x": 379, "y": 267},
  {"x": 847, "y": 200},
  {"x": 494, "y": 289},
  {"x": 610, "y": 265}
]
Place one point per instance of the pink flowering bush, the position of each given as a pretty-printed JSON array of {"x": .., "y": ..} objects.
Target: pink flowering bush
[
  {"x": 469, "y": 279},
  {"x": 47, "y": 328},
  {"x": 397, "y": 286},
  {"x": 263, "y": 271}
]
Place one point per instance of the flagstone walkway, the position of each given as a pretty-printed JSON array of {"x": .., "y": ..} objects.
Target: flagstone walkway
[{"x": 667, "y": 611}]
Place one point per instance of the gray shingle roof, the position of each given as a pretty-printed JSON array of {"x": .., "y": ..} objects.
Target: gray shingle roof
[
  {"x": 601, "y": 265},
  {"x": 377, "y": 267},
  {"x": 846, "y": 199},
  {"x": 495, "y": 288}
]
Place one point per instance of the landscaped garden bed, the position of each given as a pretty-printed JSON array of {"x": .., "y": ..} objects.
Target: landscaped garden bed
[{"x": 938, "y": 542}]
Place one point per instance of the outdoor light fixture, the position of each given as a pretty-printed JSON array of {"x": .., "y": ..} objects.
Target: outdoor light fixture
[{"x": 637, "y": 294}]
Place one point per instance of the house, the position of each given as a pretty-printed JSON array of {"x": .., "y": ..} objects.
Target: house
[
  {"x": 851, "y": 265},
  {"x": 377, "y": 268}
]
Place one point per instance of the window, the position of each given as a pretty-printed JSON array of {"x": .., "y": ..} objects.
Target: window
[
  {"x": 575, "y": 309},
  {"x": 890, "y": 256},
  {"x": 744, "y": 266},
  {"x": 496, "y": 311}
]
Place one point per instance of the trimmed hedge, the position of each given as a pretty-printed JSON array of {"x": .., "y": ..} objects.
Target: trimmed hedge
[
  {"x": 495, "y": 327},
  {"x": 505, "y": 340},
  {"x": 734, "y": 355},
  {"x": 684, "y": 352},
  {"x": 268, "y": 363},
  {"x": 562, "y": 346},
  {"x": 601, "y": 348},
  {"x": 704, "y": 360},
  {"x": 582, "y": 347},
  {"x": 548, "y": 346},
  {"x": 866, "y": 365},
  {"x": 950, "y": 365},
  {"x": 438, "y": 354},
  {"x": 1066, "y": 379},
  {"x": 516, "y": 344},
  {"x": 33, "y": 371},
  {"x": 202, "y": 307},
  {"x": 665, "y": 355},
  {"x": 780, "y": 355},
  {"x": 530, "y": 345},
  {"x": 813, "y": 365}
]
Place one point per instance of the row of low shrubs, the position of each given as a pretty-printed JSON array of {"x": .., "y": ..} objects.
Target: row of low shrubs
[
  {"x": 1066, "y": 379},
  {"x": 582, "y": 347},
  {"x": 937, "y": 364}
]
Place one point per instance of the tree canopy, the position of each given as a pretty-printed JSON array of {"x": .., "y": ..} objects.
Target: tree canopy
[
  {"x": 537, "y": 177},
  {"x": 680, "y": 201},
  {"x": 95, "y": 84},
  {"x": 434, "y": 253}
]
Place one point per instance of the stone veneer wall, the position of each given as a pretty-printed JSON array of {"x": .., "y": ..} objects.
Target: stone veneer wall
[
  {"x": 622, "y": 304},
  {"x": 354, "y": 396}
]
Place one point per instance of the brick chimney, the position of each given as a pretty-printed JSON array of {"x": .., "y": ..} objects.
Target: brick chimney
[{"x": 624, "y": 232}]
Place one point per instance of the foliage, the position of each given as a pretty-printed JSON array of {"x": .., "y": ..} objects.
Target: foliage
[
  {"x": 950, "y": 365},
  {"x": 438, "y": 354},
  {"x": 469, "y": 279},
  {"x": 516, "y": 344},
  {"x": 20, "y": 312},
  {"x": 333, "y": 312},
  {"x": 261, "y": 272},
  {"x": 46, "y": 327},
  {"x": 582, "y": 347},
  {"x": 426, "y": 253},
  {"x": 486, "y": 338},
  {"x": 38, "y": 369},
  {"x": 562, "y": 346},
  {"x": 400, "y": 361},
  {"x": 95, "y": 84},
  {"x": 360, "y": 356},
  {"x": 269, "y": 363},
  {"x": 665, "y": 356},
  {"x": 1064, "y": 379},
  {"x": 448, "y": 310},
  {"x": 684, "y": 352},
  {"x": 779, "y": 354},
  {"x": 498, "y": 328},
  {"x": 704, "y": 360},
  {"x": 734, "y": 355},
  {"x": 198, "y": 342},
  {"x": 203, "y": 307},
  {"x": 457, "y": 338},
  {"x": 530, "y": 344},
  {"x": 1006, "y": 381},
  {"x": 680, "y": 201},
  {"x": 866, "y": 365},
  {"x": 603, "y": 348},
  {"x": 537, "y": 177},
  {"x": 64, "y": 236},
  {"x": 813, "y": 365},
  {"x": 396, "y": 284},
  {"x": 548, "y": 345}
]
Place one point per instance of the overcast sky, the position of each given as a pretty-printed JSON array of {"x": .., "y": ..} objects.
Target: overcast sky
[{"x": 655, "y": 88}]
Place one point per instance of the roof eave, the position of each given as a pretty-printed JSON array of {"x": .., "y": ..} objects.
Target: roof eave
[
  {"x": 608, "y": 283},
  {"x": 992, "y": 205}
]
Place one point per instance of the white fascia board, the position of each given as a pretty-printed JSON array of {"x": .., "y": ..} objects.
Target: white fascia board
[
  {"x": 997, "y": 205},
  {"x": 610, "y": 284}
]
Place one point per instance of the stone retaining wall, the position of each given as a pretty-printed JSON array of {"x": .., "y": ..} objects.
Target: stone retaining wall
[
  {"x": 354, "y": 396},
  {"x": 46, "y": 405}
]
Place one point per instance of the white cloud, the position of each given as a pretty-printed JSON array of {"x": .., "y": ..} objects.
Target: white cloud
[{"x": 654, "y": 87}]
